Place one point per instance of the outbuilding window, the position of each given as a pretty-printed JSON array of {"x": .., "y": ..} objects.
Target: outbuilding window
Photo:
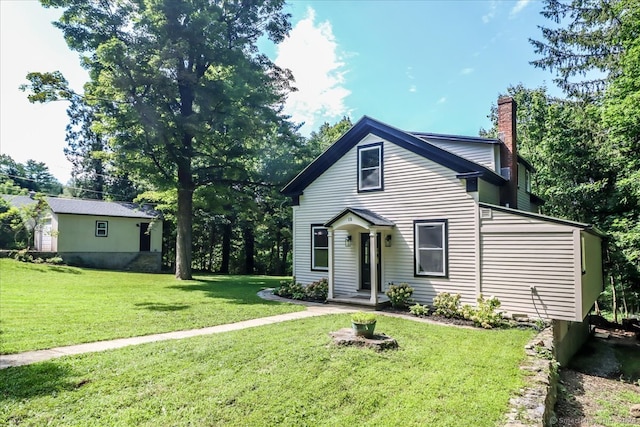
[
  {"x": 430, "y": 243},
  {"x": 319, "y": 248},
  {"x": 370, "y": 167},
  {"x": 102, "y": 228}
]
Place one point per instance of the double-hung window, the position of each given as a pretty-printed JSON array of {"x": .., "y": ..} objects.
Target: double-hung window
[
  {"x": 430, "y": 243},
  {"x": 319, "y": 248},
  {"x": 102, "y": 228},
  {"x": 370, "y": 167}
]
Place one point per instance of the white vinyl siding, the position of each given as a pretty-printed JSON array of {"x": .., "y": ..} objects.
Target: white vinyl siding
[
  {"x": 414, "y": 188},
  {"x": 529, "y": 265},
  {"x": 479, "y": 152}
]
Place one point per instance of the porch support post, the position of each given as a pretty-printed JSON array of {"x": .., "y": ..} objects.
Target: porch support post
[
  {"x": 331, "y": 261},
  {"x": 373, "y": 255}
]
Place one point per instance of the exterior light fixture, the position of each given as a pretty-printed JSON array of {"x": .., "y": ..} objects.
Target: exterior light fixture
[
  {"x": 347, "y": 241},
  {"x": 387, "y": 241}
]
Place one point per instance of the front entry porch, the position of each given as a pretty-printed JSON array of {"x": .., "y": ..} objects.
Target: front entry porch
[{"x": 367, "y": 227}]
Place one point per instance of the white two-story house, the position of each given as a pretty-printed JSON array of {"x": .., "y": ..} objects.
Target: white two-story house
[{"x": 442, "y": 213}]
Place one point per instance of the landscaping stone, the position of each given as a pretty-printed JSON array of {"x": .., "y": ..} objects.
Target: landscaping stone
[
  {"x": 635, "y": 411},
  {"x": 379, "y": 342},
  {"x": 534, "y": 406}
]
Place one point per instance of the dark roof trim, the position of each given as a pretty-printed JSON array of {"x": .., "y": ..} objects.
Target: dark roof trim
[
  {"x": 366, "y": 126},
  {"x": 526, "y": 163},
  {"x": 469, "y": 175},
  {"x": 536, "y": 200},
  {"x": 587, "y": 227},
  {"x": 456, "y": 138},
  {"x": 371, "y": 217}
]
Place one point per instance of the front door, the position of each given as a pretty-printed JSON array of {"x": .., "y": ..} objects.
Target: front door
[
  {"x": 365, "y": 262},
  {"x": 145, "y": 237}
]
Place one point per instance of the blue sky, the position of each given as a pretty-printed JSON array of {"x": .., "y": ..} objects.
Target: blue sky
[{"x": 433, "y": 66}]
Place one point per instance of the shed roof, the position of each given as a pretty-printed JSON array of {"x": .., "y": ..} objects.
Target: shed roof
[{"x": 587, "y": 227}]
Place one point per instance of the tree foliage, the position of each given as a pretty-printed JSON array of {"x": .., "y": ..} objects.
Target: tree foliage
[
  {"x": 586, "y": 148},
  {"x": 584, "y": 47},
  {"x": 180, "y": 89}
]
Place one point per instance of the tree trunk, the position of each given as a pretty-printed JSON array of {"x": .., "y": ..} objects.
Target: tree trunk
[
  {"x": 614, "y": 298},
  {"x": 226, "y": 247},
  {"x": 285, "y": 254},
  {"x": 212, "y": 243},
  {"x": 249, "y": 248},
  {"x": 183, "y": 238}
]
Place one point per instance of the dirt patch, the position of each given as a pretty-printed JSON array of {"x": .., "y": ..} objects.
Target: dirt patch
[{"x": 602, "y": 383}]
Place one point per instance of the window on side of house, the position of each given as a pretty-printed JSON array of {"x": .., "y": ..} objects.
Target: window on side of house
[
  {"x": 319, "y": 248},
  {"x": 102, "y": 228},
  {"x": 370, "y": 167},
  {"x": 430, "y": 243},
  {"x": 527, "y": 180}
]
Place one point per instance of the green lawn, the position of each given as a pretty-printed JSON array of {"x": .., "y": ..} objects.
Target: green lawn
[
  {"x": 280, "y": 374},
  {"x": 44, "y": 306}
]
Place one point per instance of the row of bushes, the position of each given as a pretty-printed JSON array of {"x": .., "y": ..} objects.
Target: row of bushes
[
  {"x": 24, "y": 256},
  {"x": 485, "y": 313},
  {"x": 316, "y": 291}
]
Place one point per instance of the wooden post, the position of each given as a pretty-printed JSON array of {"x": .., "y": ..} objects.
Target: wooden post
[
  {"x": 373, "y": 266},
  {"x": 331, "y": 251}
]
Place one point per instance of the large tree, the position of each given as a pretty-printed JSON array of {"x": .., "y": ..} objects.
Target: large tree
[{"x": 179, "y": 86}]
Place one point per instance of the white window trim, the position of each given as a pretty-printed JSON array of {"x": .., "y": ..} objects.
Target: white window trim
[
  {"x": 417, "y": 249},
  {"x": 361, "y": 169},
  {"x": 100, "y": 229},
  {"x": 314, "y": 247}
]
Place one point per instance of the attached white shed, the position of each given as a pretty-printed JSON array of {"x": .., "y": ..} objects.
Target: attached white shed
[{"x": 540, "y": 266}]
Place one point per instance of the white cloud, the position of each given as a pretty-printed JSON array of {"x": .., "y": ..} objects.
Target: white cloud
[
  {"x": 311, "y": 53},
  {"x": 493, "y": 5},
  {"x": 413, "y": 88},
  {"x": 466, "y": 71},
  {"x": 442, "y": 100},
  {"x": 521, "y": 4}
]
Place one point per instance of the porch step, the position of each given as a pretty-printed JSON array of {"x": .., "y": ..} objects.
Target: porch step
[{"x": 360, "y": 300}]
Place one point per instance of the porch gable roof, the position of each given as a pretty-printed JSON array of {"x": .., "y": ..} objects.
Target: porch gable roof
[{"x": 371, "y": 218}]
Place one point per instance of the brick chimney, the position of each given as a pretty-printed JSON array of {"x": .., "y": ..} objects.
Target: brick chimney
[{"x": 508, "y": 150}]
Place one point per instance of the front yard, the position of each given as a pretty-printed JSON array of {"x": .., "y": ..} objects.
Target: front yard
[
  {"x": 43, "y": 306},
  {"x": 280, "y": 374}
]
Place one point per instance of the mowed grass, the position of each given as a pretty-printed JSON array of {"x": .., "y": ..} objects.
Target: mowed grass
[
  {"x": 44, "y": 306},
  {"x": 281, "y": 374}
]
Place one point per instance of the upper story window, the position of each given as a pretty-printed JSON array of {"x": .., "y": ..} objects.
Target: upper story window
[
  {"x": 370, "y": 167},
  {"x": 430, "y": 245},
  {"x": 320, "y": 248},
  {"x": 102, "y": 228}
]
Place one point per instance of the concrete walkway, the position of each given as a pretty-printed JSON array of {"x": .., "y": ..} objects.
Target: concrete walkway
[{"x": 313, "y": 309}]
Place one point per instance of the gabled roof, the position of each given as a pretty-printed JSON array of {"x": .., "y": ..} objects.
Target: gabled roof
[
  {"x": 406, "y": 140},
  {"x": 61, "y": 205},
  {"x": 372, "y": 218}
]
